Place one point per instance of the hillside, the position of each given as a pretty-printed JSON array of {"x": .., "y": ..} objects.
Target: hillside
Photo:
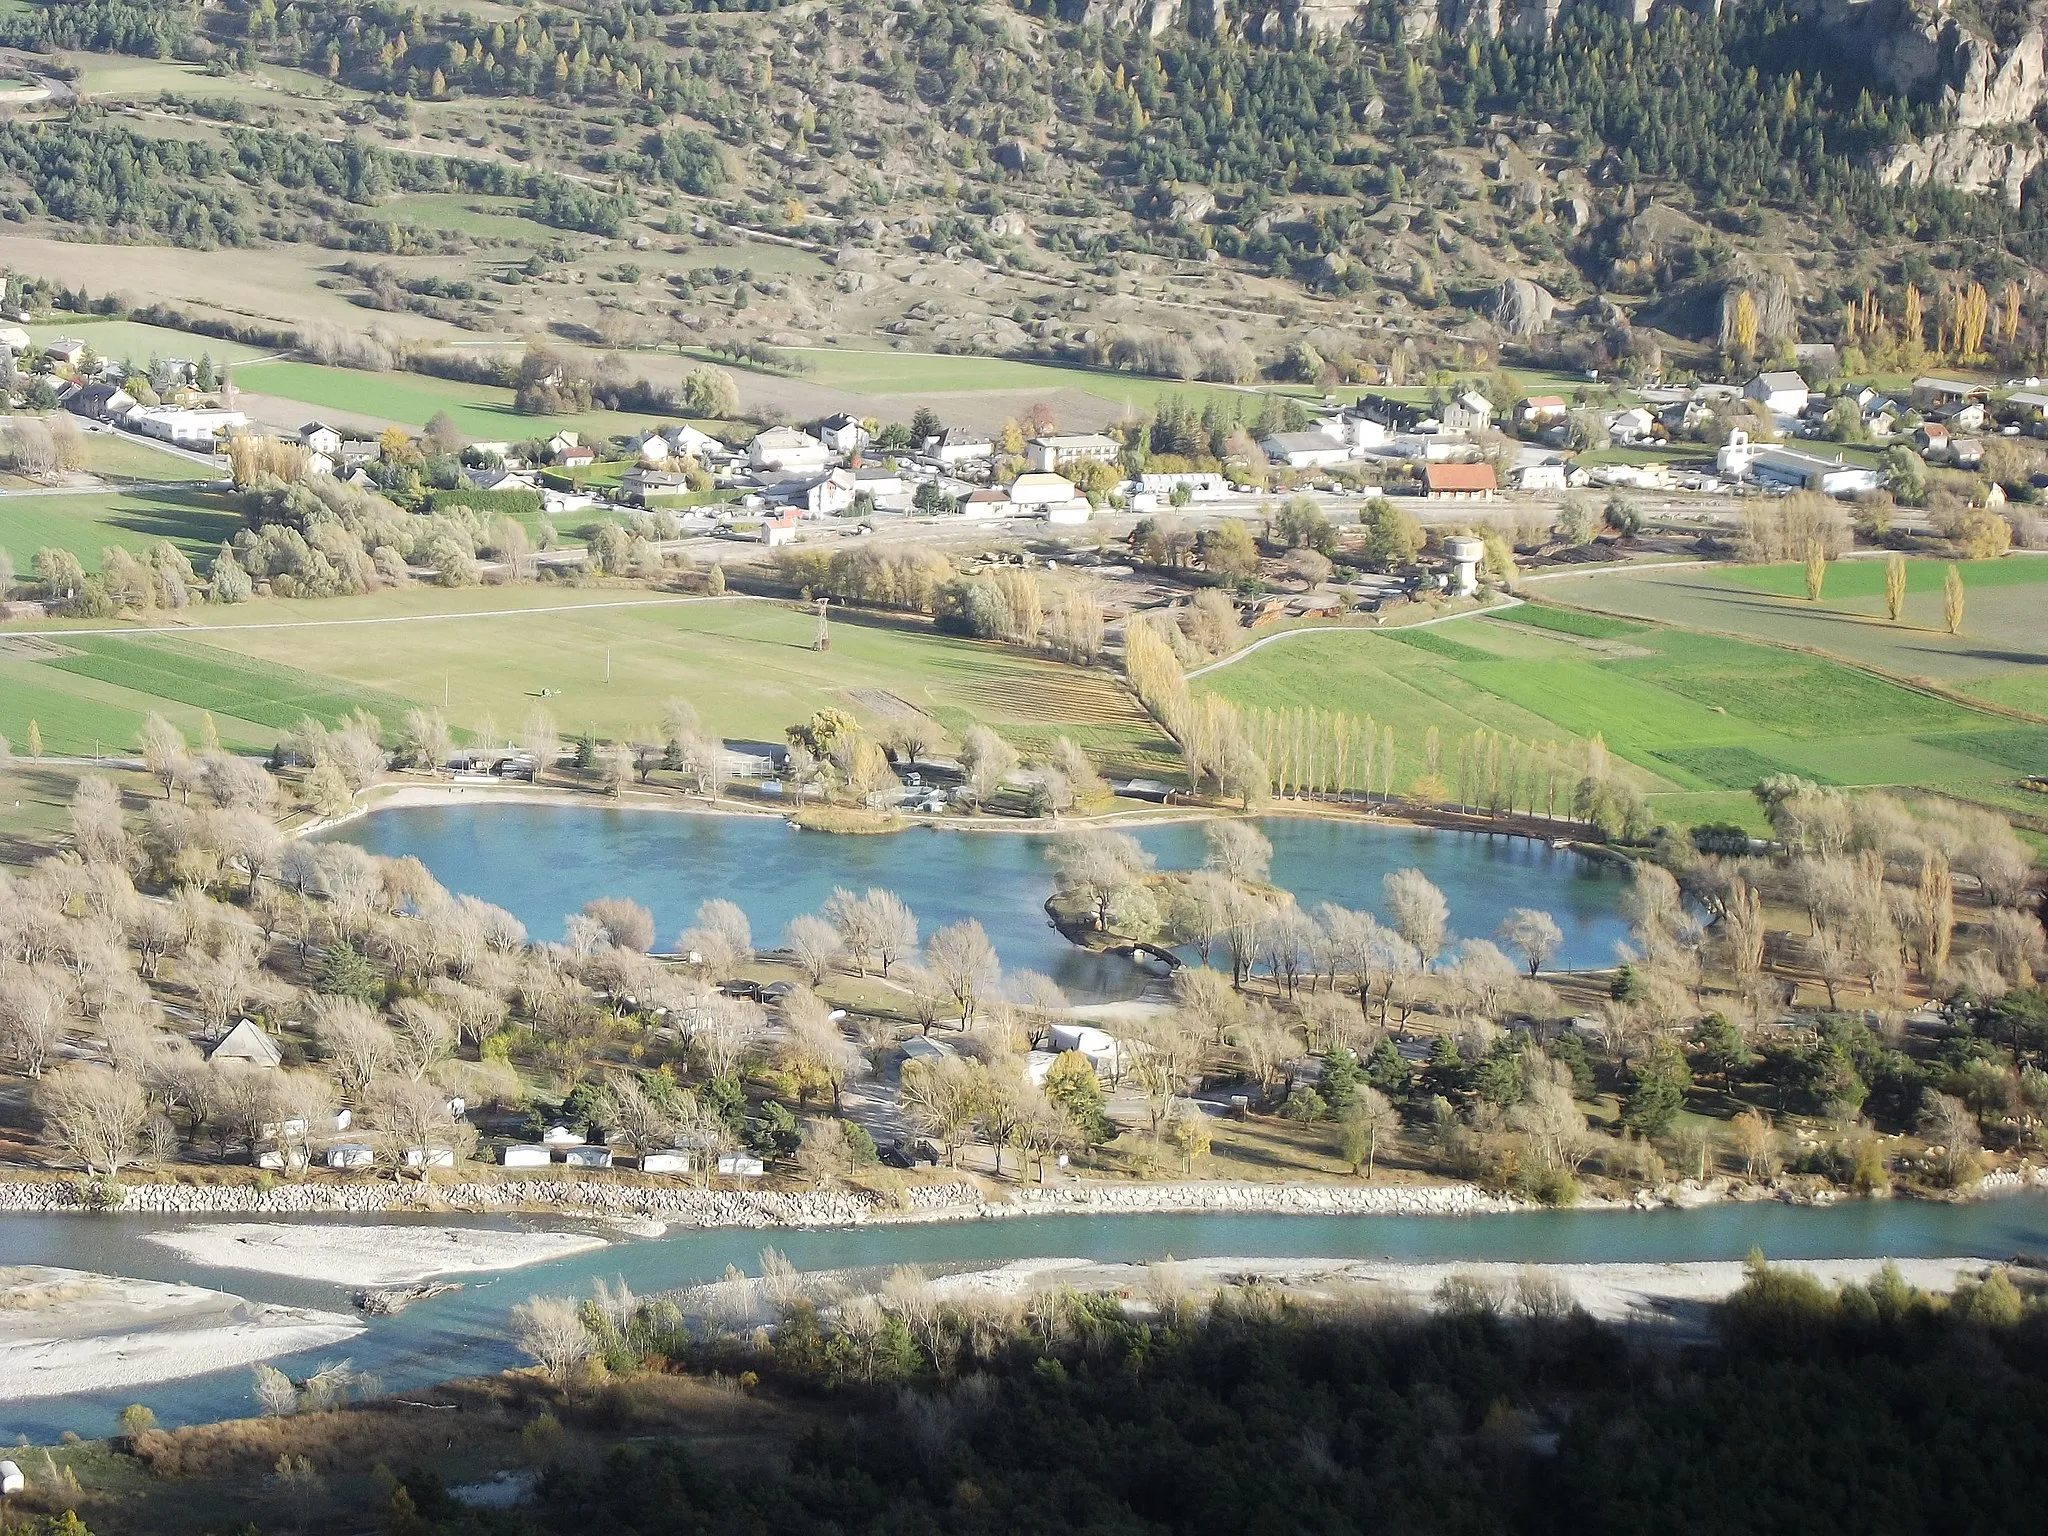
[{"x": 1320, "y": 193}]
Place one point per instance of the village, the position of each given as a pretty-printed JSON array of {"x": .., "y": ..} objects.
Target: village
[{"x": 1781, "y": 431}]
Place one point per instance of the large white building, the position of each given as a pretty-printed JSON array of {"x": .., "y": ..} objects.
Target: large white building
[
  {"x": 185, "y": 428},
  {"x": 1052, "y": 453}
]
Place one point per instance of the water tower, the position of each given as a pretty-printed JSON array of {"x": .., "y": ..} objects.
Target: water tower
[{"x": 1464, "y": 552}]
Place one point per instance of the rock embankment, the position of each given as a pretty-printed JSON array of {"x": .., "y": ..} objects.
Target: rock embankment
[{"x": 682, "y": 1206}]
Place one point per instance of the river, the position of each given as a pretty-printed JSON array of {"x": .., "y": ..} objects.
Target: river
[
  {"x": 464, "y": 1332},
  {"x": 542, "y": 862}
]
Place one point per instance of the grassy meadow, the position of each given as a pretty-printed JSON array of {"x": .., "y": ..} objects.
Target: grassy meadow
[
  {"x": 479, "y": 411},
  {"x": 2001, "y": 656},
  {"x": 1701, "y": 718},
  {"x": 196, "y": 519}
]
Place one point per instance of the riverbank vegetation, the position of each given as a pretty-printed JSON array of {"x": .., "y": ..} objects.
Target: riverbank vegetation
[{"x": 1182, "y": 1408}]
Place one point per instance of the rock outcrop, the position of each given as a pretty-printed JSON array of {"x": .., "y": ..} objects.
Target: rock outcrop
[
  {"x": 1522, "y": 308},
  {"x": 1966, "y": 160}
]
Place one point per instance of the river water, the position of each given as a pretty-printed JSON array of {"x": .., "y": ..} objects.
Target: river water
[
  {"x": 464, "y": 1332},
  {"x": 542, "y": 862}
]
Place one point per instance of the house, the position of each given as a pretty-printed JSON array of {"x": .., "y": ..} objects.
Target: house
[
  {"x": 690, "y": 442},
  {"x": 575, "y": 456},
  {"x": 1470, "y": 412},
  {"x": 1389, "y": 414},
  {"x": 985, "y": 501},
  {"x": 1965, "y": 452},
  {"x": 496, "y": 477},
  {"x": 1932, "y": 437},
  {"x": 1632, "y": 425},
  {"x": 183, "y": 427},
  {"x": 780, "y": 529},
  {"x": 674, "y": 1161},
  {"x": 1459, "y": 482},
  {"x": 587, "y": 1157},
  {"x": 246, "y": 1046},
  {"x": 1540, "y": 411},
  {"x": 318, "y": 437},
  {"x": 1929, "y": 392},
  {"x": 1036, "y": 490},
  {"x": 1102, "y": 1050},
  {"x": 67, "y": 350},
  {"x": 877, "y": 481},
  {"x": 562, "y": 442},
  {"x": 97, "y": 402},
  {"x": 956, "y": 446},
  {"x": 1782, "y": 394},
  {"x": 653, "y": 449},
  {"x": 526, "y": 1155},
  {"x": 1541, "y": 477},
  {"x": 786, "y": 449},
  {"x": 825, "y": 495},
  {"x": 1809, "y": 472},
  {"x": 643, "y": 485},
  {"x": 1306, "y": 450},
  {"x": 843, "y": 434},
  {"x": 1967, "y": 417},
  {"x": 1047, "y": 454},
  {"x": 349, "y": 1154},
  {"x": 1358, "y": 432},
  {"x": 15, "y": 339}
]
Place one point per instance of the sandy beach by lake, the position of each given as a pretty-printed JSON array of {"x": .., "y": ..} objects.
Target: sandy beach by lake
[
  {"x": 349, "y": 1254},
  {"x": 66, "y": 1331}
]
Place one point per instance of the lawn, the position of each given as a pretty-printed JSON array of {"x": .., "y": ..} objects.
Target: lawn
[
  {"x": 935, "y": 378},
  {"x": 2001, "y": 655},
  {"x": 35, "y": 805},
  {"x": 747, "y": 666},
  {"x": 135, "y": 343},
  {"x": 196, "y": 520},
  {"x": 466, "y": 213},
  {"x": 115, "y": 457},
  {"x": 221, "y": 683},
  {"x": 479, "y": 411},
  {"x": 1701, "y": 716}
]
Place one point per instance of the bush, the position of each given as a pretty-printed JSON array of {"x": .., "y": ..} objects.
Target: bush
[{"x": 1305, "y": 1105}]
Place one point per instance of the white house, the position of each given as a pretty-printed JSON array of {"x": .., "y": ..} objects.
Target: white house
[
  {"x": 1053, "y": 453},
  {"x": 781, "y": 529},
  {"x": 1632, "y": 425},
  {"x": 1470, "y": 412},
  {"x": 1037, "y": 490},
  {"x": 1782, "y": 394},
  {"x": 693, "y": 443},
  {"x": 1539, "y": 411},
  {"x": 1541, "y": 477},
  {"x": 527, "y": 1156},
  {"x": 955, "y": 446},
  {"x": 498, "y": 478},
  {"x": 825, "y": 495},
  {"x": 66, "y": 350},
  {"x": 318, "y": 437},
  {"x": 841, "y": 433},
  {"x": 1102, "y": 1049},
  {"x": 878, "y": 481},
  {"x": 1306, "y": 450},
  {"x": 351, "y": 1154},
  {"x": 786, "y": 449},
  {"x": 184, "y": 428},
  {"x": 653, "y": 450}
]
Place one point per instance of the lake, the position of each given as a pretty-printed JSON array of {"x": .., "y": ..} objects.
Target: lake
[{"x": 543, "y": 862}]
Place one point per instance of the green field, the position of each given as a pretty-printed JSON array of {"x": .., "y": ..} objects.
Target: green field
[
  {"x": 88, "y": 693},
  {"x": 479, "y": 411},
  {"x": 1702, "y": 718},
  {"x": 135, "y": 343},
  {"x": 466, "y": 213},
  {"x": 196, "y": 520},
  {"x": 2001, "y": 655},
  {"x": 747, "y": 666},
  {"x": 115, "y": 457}
]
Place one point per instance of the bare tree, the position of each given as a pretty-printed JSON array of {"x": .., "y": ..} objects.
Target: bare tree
[
  {"x": 550, "y": 1330},
  {"x": 94, "y": 1113},
  {"x": 624, "y": 923},
  {"x": 725, "y": 1034},
  {"x": 1950, "y": 1130},
  {"x": 1420, "y": 913},
  {"x": 31, "y": 1014},
  {"x": 814, "y": 1042},
  {"x": 1532, "y": 934},
  {"x": 814, "y": 944},
  {"x": 1239, "y": 851},
  {"x": 355, "y": 1042},
  {"x": 422, "y": 1035},
  {"x": 961, "y": 956}
]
